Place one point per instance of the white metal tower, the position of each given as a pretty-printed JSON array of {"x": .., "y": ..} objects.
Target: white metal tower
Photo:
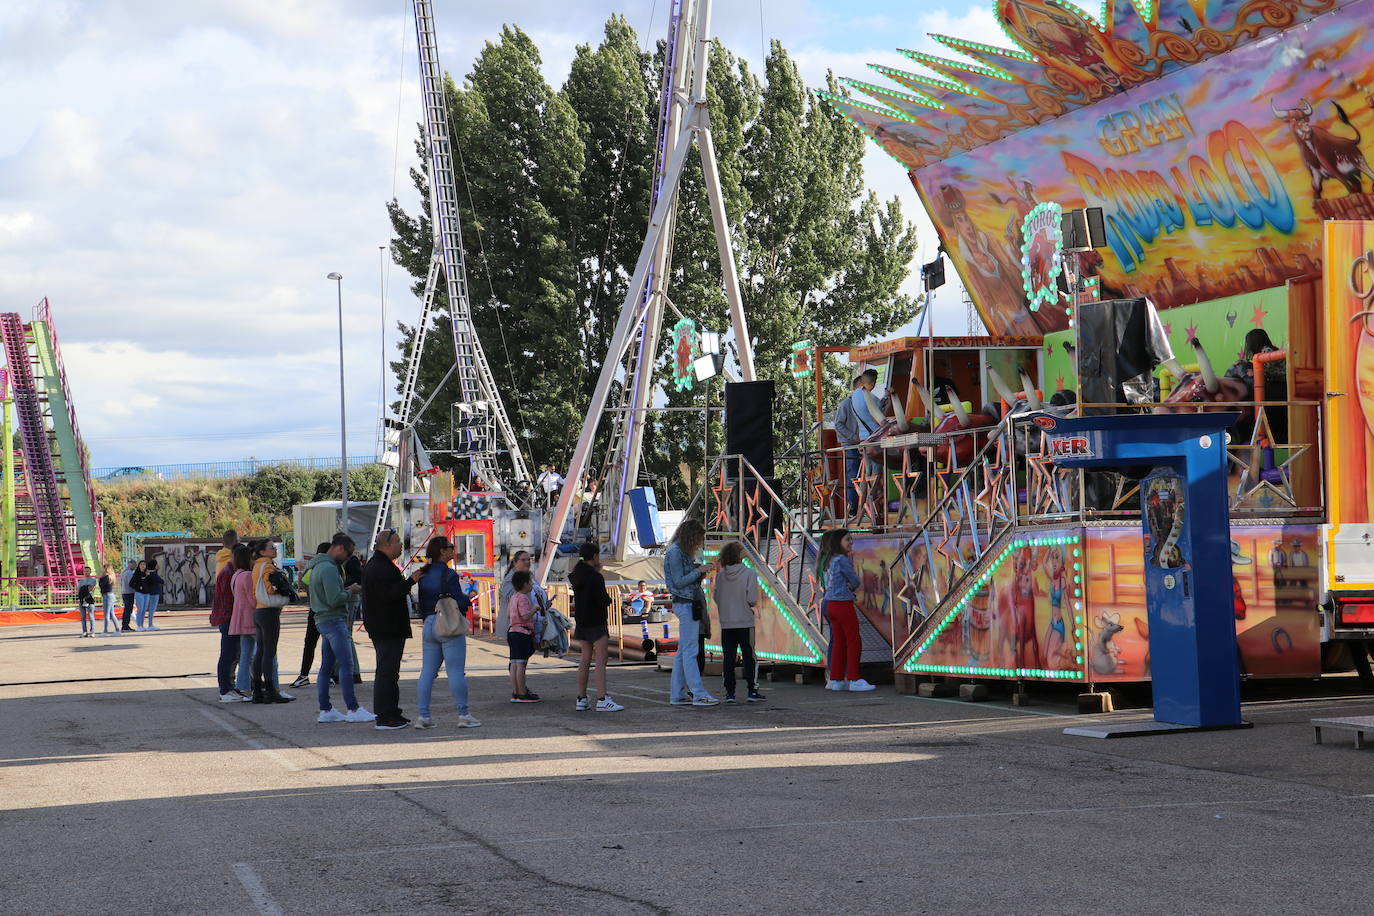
[
  {"x": 484, "y": 414},
  {"x": 686, "y": 122}
]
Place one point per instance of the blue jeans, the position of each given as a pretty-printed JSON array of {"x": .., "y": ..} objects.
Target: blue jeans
[
  {"x": 87, "y": 618},
  {"x": 686, "y": 674},
  {"x": 852, "y": 463},
  {"x": 450, "y": 654},
  {"x": 228, "y": 658},
  {"x": 335, "y": 647},
  {"x": 248, "y": 646},
  {"x": 145, "y": 605},
  {"x": 111, "y": 622}
]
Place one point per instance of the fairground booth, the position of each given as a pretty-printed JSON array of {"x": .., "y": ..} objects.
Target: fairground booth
[{"x": 1157, "y": 206}]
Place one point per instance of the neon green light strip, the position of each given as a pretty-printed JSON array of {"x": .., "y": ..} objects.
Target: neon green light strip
[
  {"x": 977, "y": 586},
  {"x": 816, "y": 656}
]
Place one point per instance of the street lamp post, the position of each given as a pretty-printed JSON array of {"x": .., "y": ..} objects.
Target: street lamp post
[{"x": 343, "y": 427}]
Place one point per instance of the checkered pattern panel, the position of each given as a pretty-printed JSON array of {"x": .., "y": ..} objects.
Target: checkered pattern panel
[{"x": 472, "y": 505}]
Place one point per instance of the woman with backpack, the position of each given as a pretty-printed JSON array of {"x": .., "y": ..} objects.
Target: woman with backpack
[
  {"x": 840, "y": 580},
  {"x": 107, "y": 599},
  {"x": 438, "y": 581}
]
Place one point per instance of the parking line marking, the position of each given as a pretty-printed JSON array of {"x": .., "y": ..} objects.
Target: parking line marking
[
  {"x": 257, "y": 891},
  {"x": 277, "y": 756}
]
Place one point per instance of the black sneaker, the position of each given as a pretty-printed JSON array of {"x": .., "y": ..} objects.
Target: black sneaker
[
  {"x": 388, "y": 725},
  {"x": 301, "y": 681},
  {"x": 526, "y": 697},
  {"x": 755, "y": 696},
  {"x": 729, "y": 698}
]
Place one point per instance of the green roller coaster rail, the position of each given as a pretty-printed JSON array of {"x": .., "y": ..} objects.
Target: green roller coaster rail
[{"x": 68, "y": 456}]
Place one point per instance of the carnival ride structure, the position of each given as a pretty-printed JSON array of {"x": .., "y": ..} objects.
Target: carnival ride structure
[
  {"x": 979, "y": 558},
  {"x": 484, "y": 416},
  {"x": 51, "y": 524},
  {"x": 631, "y": 359}
]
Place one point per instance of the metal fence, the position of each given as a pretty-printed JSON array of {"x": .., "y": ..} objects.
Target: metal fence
[{"x": 208, "y": 469}]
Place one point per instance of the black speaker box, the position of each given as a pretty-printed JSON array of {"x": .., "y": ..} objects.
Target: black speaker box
[{"x": 749, "y": 423}]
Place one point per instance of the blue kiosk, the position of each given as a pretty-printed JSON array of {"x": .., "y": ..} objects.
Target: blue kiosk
[{"x": 1188, "y": 583}]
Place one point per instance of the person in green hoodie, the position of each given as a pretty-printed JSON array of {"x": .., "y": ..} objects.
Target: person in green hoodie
[{"x": 329, "y": 603}]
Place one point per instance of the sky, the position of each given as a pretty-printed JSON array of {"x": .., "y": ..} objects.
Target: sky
[{"x": 179, "y": 178}]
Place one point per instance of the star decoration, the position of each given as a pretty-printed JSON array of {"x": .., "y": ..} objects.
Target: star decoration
[
  {"x": 722, "y": 495},
  {"x": 1275, "y": 481},
  {"x": 786, "y": 552},
  {"x": 1192, "y": 332},
  {"x": 1049, "y": 349},
  {"x": 1257, "y": 319},
  {"x": 824, "y": 491},
  {"x": 1168, "y": 327},
  {"x": 1059, "y": 383}
]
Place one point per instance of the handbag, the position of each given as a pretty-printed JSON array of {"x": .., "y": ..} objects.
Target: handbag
[
  {"x": 266, "y": 598},
  {"x": 449, "y": 619}
]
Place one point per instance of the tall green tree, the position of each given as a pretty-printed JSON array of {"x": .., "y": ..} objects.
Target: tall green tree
[{"x": 560, "y": 186}]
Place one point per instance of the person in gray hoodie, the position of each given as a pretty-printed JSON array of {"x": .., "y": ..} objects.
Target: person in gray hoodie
[{"x": 736, "y": 591}]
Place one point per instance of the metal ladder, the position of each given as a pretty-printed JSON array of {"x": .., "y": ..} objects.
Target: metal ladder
[
  {"x": 478, "y": 386},
  {"x": 40, "y": 475}
]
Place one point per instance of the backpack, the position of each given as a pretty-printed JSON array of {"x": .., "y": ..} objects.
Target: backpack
[{"x": 847, "y": 423}]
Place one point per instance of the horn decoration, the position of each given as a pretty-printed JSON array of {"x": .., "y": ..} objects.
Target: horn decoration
[
  {"x": 1003, "y": 391},
  {"x": 957, "y": 406},
  {"x": 1032, "y": 398},
  {"x": 1204, "y": 365}
]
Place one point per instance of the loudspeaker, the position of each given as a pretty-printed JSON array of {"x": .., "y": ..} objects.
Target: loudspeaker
[
  {"x": 933, "y": 273},
  {"x": 1083, "y": 229},
  {"x": 749, "y": 423}
]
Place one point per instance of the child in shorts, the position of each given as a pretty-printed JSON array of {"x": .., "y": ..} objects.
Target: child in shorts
[{"x": 520, "y": 636}]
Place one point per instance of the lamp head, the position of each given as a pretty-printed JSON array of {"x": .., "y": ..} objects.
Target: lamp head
[{"x": 335, "y": 276}]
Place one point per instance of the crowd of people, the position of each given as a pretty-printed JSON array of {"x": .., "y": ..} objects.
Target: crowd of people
[{"x": 250, "y": 591}]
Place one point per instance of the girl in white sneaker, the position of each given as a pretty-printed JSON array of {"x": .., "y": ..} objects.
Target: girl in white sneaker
[{"x": 840, "y": 578}]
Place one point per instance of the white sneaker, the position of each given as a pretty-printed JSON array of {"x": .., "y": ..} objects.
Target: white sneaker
[
  {"x": 466, "y": 721},
  {"x": 332, "y": 715},
  {"x": 424, "y": 722},
  {"x": 606, "y": 704},
  {"x": 860, "y": 685},
  {"x": 583, "y": 704},
  {"x": 283, "y": 693},
  {"x": 705, "y": 700},
  {"x": 836, "y": 685},
  {"x": 230, "y": 697},
  {"x": 360, "y": 715},
  {"x": 151, "y": 627}
]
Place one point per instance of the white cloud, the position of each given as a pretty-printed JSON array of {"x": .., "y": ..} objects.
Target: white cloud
[{"x": 178, "y": 178}]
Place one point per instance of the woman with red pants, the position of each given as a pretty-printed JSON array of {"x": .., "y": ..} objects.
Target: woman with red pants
[{"x": 837, "y": 572}]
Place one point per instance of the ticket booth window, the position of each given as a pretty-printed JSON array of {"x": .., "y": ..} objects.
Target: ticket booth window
[{"x": 470, "y": 550}]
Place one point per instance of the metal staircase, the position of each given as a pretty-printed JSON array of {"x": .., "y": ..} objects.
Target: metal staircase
[
  {"x": 44, "y": 490},
  {"x": 741, "y": 505}
]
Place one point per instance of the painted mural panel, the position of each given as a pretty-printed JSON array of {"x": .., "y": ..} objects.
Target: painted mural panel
[
  {"x": 1214, "y": 178},
  {"x": 1024, "y": 622},
  {"x": 1277, "y": 625},
  {"x": 187, "y": 570}
]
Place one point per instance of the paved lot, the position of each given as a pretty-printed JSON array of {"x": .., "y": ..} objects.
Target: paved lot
[{"x": 142, "y": 794}]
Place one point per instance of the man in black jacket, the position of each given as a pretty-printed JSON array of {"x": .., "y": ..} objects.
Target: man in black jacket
[{"x": 387, "y": 621}]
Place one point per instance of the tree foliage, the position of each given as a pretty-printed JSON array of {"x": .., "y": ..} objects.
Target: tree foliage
[{"x": 554, "y": 190}]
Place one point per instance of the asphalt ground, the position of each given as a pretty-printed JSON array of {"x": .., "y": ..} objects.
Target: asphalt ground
[{"x": 126, "y": 788}]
